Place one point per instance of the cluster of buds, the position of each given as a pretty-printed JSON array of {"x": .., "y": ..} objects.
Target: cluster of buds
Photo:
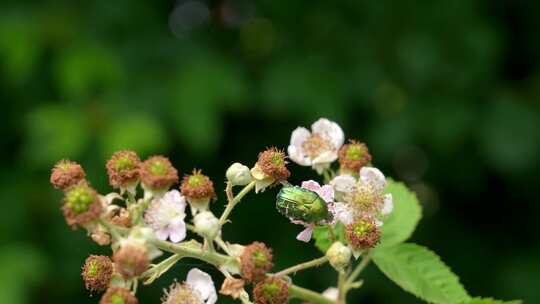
[{"x": 140, "y": 226}]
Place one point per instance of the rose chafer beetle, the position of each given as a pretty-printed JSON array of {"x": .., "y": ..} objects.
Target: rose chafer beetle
[{"x": 302, "y": 204}]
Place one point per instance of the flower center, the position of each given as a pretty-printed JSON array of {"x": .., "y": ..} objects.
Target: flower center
[
  {"x": 355, "y": 152},
  {"x": 92, "y": 269},
  {"x": 117, "y": 299},
  {"x": 196, "y": 180},
  {"x": 360, "y": 228},
  {"x": 260, "y": 259},
  {"x": 182, "y": 294},
  {"x": 270, "y": 290},
  {"x": 315, "y": 145},
  {"x": 79, "y": 199},
  {"x": 364, "y": 196},
  {"x": 158, "y": 168},
  {"x": 124, "y": 163}
]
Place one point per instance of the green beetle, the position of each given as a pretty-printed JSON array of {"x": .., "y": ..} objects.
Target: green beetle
[{"x": 302, "y": 204}]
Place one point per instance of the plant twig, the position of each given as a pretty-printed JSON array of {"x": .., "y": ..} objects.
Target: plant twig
[
  {"x": 354, "y": 275},
  {"x": 232, "y": 203},
  {"x": 308, "y": 295},
  {"x": 302, "y": 266}
]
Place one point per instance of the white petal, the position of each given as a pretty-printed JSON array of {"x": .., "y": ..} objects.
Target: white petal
[
  {"x": 162, "y": 234},
  {"x": 175, "y": 197},
  {"x": 298, "y": 136},
  {"x": 388, "y": 205},
  {"x": 203, "y": 284},
  {"x": 372, "y": 175},
  {"x": 343, "y": 183},
  {"x": 330, "y": 130},
  {"x": 305, "y": 235},
  {"x": 325, "y": 157},
  {"x": 355, "y": 253},
  {"x": 331, "y": 293},
  {"x": 296, "y": 155}
]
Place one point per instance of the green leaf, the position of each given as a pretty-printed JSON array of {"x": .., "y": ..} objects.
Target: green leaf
[
  {"x": 489, "y": 301},
  {"x": 421, "y": 272},
  {"x": 322, "y": 236},
  {"x": 403, "y": 220}
]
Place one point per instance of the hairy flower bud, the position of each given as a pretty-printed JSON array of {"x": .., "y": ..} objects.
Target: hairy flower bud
[
  {"x": 255, "y": 262},
  {"x": 353, "y": 156},
  {"x": 131, "y": 260},
  {"x": 238, "y": 175},
  {"x": 198, "y": 190},
  {"x": 97, "y": 272},
  {"x": 271, "y": 291},
  {"x": 81, "y": 204},
  {"x": 270, "y": 169},
  {"x": 206, "y": 224},
  {"x": 123, "y": 169},
  {"x": 362, "y": 234},
  {"x": 118, "y": 295},
  {"x": 157, "y": 173},
  {"x": 66, "y": 174},
  {"x": 339, "y": 255}
]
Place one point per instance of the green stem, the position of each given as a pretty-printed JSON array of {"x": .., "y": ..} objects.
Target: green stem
[
  {"x": 342, "y": 297},
  {"x": 308, "y": 295},
  {"x": 157, "y": 270},
  {"x": 302, "y": 266},
  {"x": 210, "y": 257},
  {"x": 354, "y": 275},
  {"x": 232, "y": 203}
]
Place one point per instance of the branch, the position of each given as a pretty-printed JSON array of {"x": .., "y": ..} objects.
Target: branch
[
  {"x": 302, "y": 266},
  {"x": 308, "y": 295},
  {"x": 232, "y": 203}
]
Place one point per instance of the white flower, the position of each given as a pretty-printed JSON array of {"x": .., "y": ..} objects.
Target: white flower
[
  {"x": 202, "y": 283},
  {"x": 317, "y": 148},
  {"x": 374, "y": 177},
  {"x": 166, "y": 216},
  {"x": 326, "y": 192},
  {"x": 197, "y": 289}
]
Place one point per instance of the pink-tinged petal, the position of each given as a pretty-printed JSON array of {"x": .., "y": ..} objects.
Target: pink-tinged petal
[
  {"x": 329, "y": 130},
  {"x": 299, "y": 136},
  {"x": 311, "y": 185},
  {"x": 162, "y": 234},
  {"x": 373, "y": 176},
  {"x": 343, "y": 213},
  {"x": 325, "y": 158},
  {"x": 327, "y": 193},
  {"x": 178, "y": 232},
  {"x": 305, "y": 235}
]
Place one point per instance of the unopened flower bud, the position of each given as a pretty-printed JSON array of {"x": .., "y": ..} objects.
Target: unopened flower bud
[
  {"x": 97, "y": 272},
  {"x": 271, "y": 291},
  {"x": 158, "y": 174},
  {"x": 353, "y": 156},
  {"x": 131, "y": 260},
  {"x": 339, "y": 255},
  {"x": 238, "y": 175},
  {"x": 198, "y": 190},
  {"x": 362, "y": 234},
  {"x": 66, "y": 174},
  {"x": 270, "y": 169},
  {"x": 81, "y": 204},
  {"x": 255, "y": 262},
  {"x": 118, "y": 295},
  {"x": 206, "y": 224},
  {"x": 123, "y": 170}
]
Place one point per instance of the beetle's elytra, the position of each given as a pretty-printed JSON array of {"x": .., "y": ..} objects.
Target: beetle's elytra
[{"x": 302, "y": 204}]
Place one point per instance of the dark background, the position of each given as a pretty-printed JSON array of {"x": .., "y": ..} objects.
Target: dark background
[{"x": 445, "y": 93}]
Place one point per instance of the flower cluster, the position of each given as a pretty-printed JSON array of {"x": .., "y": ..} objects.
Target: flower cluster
[{"x": 148, "y": 215}]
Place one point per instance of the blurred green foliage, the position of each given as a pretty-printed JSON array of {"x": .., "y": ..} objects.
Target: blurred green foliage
[{"x": 444, "y": 92}]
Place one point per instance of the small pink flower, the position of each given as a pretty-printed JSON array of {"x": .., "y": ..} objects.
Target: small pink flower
[{"x": 166, "y": 216}]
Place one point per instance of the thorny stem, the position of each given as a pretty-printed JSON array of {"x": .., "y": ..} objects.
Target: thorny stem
[
  {"x": 232, "y": 203},
  {"x": 302, "y": 266},
  {"x": 308, "y": 295},
  {"x": 156, "y": 270}
]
